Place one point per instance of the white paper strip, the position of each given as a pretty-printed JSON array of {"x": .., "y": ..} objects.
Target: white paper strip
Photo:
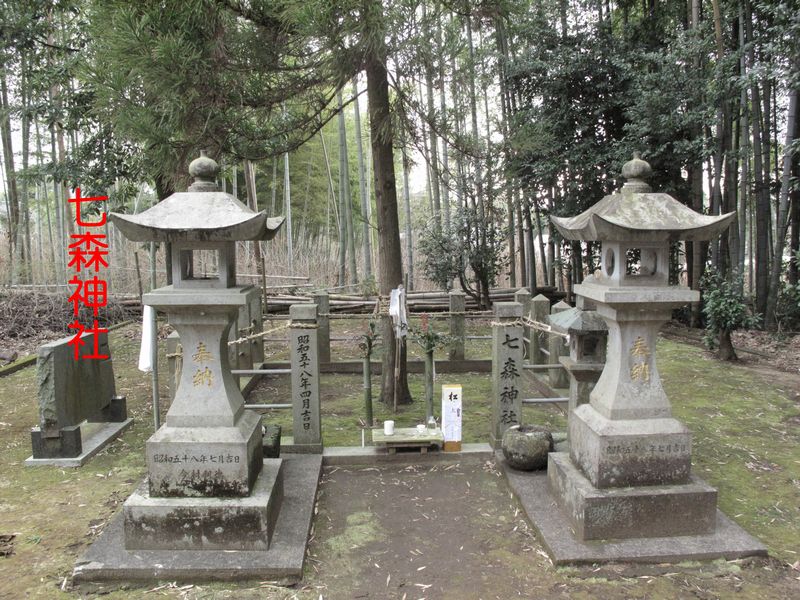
[{"x": 148, "y": 336}]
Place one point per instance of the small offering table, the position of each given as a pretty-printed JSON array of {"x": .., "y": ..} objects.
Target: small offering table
[{"x": 408, "y": 437}]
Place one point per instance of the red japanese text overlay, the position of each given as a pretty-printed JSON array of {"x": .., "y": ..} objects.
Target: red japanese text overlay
[{"x": 88, "y": 257}]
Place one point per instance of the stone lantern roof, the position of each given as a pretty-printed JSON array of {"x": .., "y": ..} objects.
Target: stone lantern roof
[
  {"x": 638, "y": 214},
  {"x": 203, "y": 213},
  {"x": 578, "y": 321}
]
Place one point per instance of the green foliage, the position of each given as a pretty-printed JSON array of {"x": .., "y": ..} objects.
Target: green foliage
[
  {"x": 787, "y": 311},
  {"x": 724, "y": 308},
  {"x": 470, "y": 250},
  {"x": 172, "y": 80},
  {"x": 428, "y": 339},
  {"x": 442, "y": 256}
]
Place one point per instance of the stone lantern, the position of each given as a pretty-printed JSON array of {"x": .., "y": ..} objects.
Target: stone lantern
[
  {"x": 628, "y": 474},
  {"x": 208, "y": 486},
  {"x": 587, "y": 334}
]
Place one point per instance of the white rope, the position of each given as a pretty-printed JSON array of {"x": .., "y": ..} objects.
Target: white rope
[{"x": 258, "y": 335}]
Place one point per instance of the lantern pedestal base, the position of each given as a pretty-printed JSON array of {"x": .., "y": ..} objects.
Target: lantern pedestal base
[
  {"x": 153, "y": 523},
  {"x": 205, "y": 461},
  {"x": 630, "y": 512},
  {"x": 618, "y": 453},
  {"x": 555, "y": 530},
  {"x": 107, "y": 559}
]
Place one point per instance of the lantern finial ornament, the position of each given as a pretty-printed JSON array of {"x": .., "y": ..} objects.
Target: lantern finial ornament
[
  {"x": 637, "y": 172},
  {"x": 205, "y": 171}
]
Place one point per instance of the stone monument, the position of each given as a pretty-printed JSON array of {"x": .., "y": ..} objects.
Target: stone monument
[
  {"x": 507, "y": 360},
  {"x": 625, "y": 489},
  {"x": 208, "y": 487}
]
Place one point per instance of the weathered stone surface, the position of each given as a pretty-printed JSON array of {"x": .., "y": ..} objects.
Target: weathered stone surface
[
  {"x": 523, "y": 297},
  {"x": 205, "y": 461},
  {"x": 256, "y": 325},
  {"x": 174, "y": 362},
  {"x": 507, "y": 310},
  {"x": 628, "y": 469},
  {"x": 247, "y": 523},
  {"x": 525, "y": 447},
  {"x": 557, "y": 347},
  {"x": 540, "y": 310},
  {"x": 727, "y": 540},
  {"x": 303, "y": 349},
  {"x": 457, "y": 329},
  {"x": 507, "y": 359},
  {"x": 207, "y": 393},
  {"x": 108, "y": 559},
  {"x": 92, "y": 437},
  {"x": 323, "y": 302},
  {"x": 622, "y": 453},
  {"x": 631, "y": 512},
  {"x": 67, "y": 444},
  {"x": 583, "y": 377},
  {"x": 70, "y": 390}
]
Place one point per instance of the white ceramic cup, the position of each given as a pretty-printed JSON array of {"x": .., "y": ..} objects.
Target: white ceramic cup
[
  {"x": 388, "y": 427},
  {"x": 420, "y": 429}
]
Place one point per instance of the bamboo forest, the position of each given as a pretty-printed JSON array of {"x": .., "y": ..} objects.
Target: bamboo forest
[{"x": 456, "y": 127}]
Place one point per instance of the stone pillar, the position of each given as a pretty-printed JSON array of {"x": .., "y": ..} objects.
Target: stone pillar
[
  {"x": 207, "y": 416},
  {"x": 507, "y": 358},
  {"x": 540, "y": 309},
  {"x": 523, "y": 297},
  {"x": 256, "y": 326},
  {"x": 322, "y": 300},
  {"x": 303, "y": 348},
  {"x": 244, "y": 354},
  {"x": 557, "y": 348},
  {"x": 174, "y": 362},
  {"x": 457, "y": 308}
]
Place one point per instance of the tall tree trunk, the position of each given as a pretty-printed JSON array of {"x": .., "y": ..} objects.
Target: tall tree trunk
[
  {"x": 443, "y": 109},
  {"x": 461, "y": 201},
  {"x": 347, "y": 200},
  {"x": 11, "y": 177},
  {"x": 533, "y": 284},
  {"x": 274, "y": 187},
  {"x": 762, "y": 208},
  {"x": 287, "y": 205},
  {"x": 25, "y": 229},
  {"x": 342, "y": 220},
  {"x": 783, "y": 209},
  {"x": 433, "y": 144},
  {"x": 42, "y": 198},
  {"x": 362, "y": 185},
  {"x": 696, "y": 251},
  {"x": 408, "y": 229},
  {"x": 794, "y": 218},
  {"x": 389, "y": 251},
  {"x": 744, "y": 147},
  {"x": 473, "y": 107},
  {"x": 551, "y": 244},
  {"x": 252, "y": 202},
  {"x": 331, "y": 201}
]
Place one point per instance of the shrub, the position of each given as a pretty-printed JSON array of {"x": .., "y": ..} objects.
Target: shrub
[{"x": 725, "y": 311}]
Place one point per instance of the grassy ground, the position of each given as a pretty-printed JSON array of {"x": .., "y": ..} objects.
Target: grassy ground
[{"x": 746, "y": 427}]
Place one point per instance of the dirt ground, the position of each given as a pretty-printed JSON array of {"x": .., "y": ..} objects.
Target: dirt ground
[
  {"x": 455, "y": 532},
  {"x": 433, "y": 531}
]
